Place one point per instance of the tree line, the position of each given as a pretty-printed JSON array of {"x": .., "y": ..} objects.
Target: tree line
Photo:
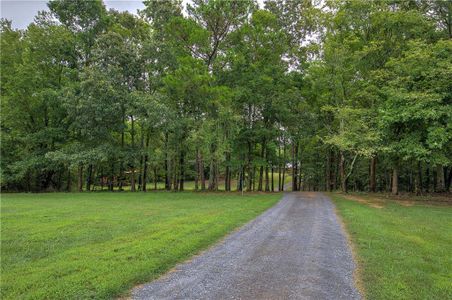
[{"x": 326, "y": 95}]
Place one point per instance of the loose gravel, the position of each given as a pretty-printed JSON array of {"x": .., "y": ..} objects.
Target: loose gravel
[{"x": 295, "y": 250}]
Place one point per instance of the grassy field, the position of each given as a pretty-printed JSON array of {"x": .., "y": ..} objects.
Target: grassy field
[
  {"x": 99, "y": 245},
  {"x": 404, "y": 249},
  {"x": 190, "y": 185}
]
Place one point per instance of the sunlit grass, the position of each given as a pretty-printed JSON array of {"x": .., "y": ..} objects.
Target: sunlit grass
[
  {"x": 404, "y": 252},
  {"x": 99, "y": 245}
]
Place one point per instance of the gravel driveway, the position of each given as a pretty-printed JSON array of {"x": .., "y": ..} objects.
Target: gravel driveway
[{"x": 295, "y": 250}]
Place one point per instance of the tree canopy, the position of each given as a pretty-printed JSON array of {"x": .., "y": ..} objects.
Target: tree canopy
[{"x": 348, "y": 94}]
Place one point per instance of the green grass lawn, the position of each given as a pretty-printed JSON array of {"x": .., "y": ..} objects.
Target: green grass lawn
[
  {"x": 404, "y": 252},
  {"x": 99, "y": 245},
  {"x": 190, "y": 184}
]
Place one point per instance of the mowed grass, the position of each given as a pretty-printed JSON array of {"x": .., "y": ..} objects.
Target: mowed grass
[
  {"x": 99, "y": 245},
  {"x": 404, "y": 252}
]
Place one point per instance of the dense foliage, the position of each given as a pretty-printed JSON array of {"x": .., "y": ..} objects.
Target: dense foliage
[{"x": 336, "y": 94}]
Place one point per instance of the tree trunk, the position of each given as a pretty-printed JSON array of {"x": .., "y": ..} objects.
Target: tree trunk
[
  {"x": 80, "y": 178},
  {"x": 449, "y": 180},
  {"x": 167, "y": 164},
  {"x": 121, "y": 167},
  {"x": 395, "y": 181},
  {"x": 132, "y": 180},
  {"x": 261, "y": 168},
  {"x": 250, "y": 168},
  {"x": 253, "y": 179},
  {"x": 111, "y": 178},
  {"x": 283, "y": 179},
  {"x": 132, "y": 160},
  {"x": 267, "y": 181},
  {"x": 294, "y": 166},
  {"x": 145, "y": 163},
  {"x": 418, "y": 179},
  {"x": 155, "y": 178},
  {"x": 372, "y": 181},
  {"x": 299, "y": 167},
  {"x": 140, "y": 175},
  {"x": 197, "y": 171},
  {"x": 328, "y": 171},
  {"x": 201, "y": 170},
  {"x": 89, "y": 177},
  {"x": 69, "y": 180},
  {"x": 227, "y": 181},
  {"x": 175, "y": 174},
  {"x": 342, "y": 173},
  {"x": 182, "y": 170},
  {"x": 273, "y": 182},
  {"x": 440, "y": 181}
]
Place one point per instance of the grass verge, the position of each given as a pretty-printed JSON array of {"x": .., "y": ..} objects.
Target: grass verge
[
  {"x": 404, "y": 252},
  {"x": 99, "y": 245}
]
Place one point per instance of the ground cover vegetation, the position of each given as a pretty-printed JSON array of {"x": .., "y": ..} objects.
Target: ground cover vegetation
[
  {"x": 402, "y": 247},
  {"x": 338, "y": 94},
  {"x": 100, "y": 245}
]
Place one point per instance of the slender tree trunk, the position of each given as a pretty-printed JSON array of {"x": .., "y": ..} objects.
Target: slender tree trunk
[
  {"x": 132, "y": 180},
  {"x": 294, "y": 166},
  {"x": 197, "y": 171},
  {"x": 253, "y": 178},
  {"x": 440, "y": 181},
  {"x": 121, "y": 167},
  {"x": 261, "y": 168},
  {"x": 155, "y": 178},
  {"x": 299, "y": 167},
  {"x": 102, "y": 183},
  {"x": 226, "y": 178},
  {"x": 229, "y": 173},
  {"x": 213, "y": 170},
  {"x": 395, "y": 181},
  {"x": 167, "y": 164},
  {"x": 250, "y": 168},
  {"x": 69, "y": 180},
  {"x": 449, "y": 179},
  {"x": 342, "y": 173},
  {"x": 427, "y": 175},
  {"x": 132, "y": 160},
  {"x": 212, "y": 175},
  {"x": 279, "y": 167},
  {"x": 335, "y": 159},
  {"x": 89, "y": 177},
  {"x": 273, "y": 182},
  {"x": 145, "y": 163},
  {"x": 328, "y": 171},
  {"x": 267, "y": 181},
  {"x": 111, "y": 177},
  {"x": 175, "y": 174},
  {"x": 372, "y": 181},
  {"x": 284, "y": 165},
  {"x": 418, "y": 179},
  {"x": 140, "y": 175},
  {"x": 201, "y": 170},
  {"x": 80, "y": 178},
  {"x": 239, "y": 180},
  {"x": 182, "y": 170},
  {"x": 419, "y": 175}
]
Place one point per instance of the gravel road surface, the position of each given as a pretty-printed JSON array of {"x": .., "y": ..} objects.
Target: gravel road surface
[{"x": 295, "y": 250}]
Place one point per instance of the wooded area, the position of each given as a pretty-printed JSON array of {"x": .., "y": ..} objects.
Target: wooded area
[{"x": 349, "y": 95}]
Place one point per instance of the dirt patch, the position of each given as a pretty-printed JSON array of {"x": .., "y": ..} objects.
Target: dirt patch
[{"x": 372, "y": 202}]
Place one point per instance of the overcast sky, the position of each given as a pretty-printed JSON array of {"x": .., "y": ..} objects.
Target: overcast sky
[{"x": 22, "y": 12}]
